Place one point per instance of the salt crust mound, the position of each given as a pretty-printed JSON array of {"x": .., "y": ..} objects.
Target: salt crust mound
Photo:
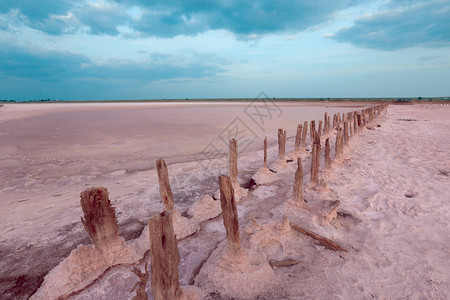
[
  {"x": 277, "y": 240},
  {"x": 204, "y": 208},
  {"x": 242, "y": 276},
  {"x": 84, "y": 265},
  {"x": 264, "y": 176},
  {"x": 182, "y": 226}
]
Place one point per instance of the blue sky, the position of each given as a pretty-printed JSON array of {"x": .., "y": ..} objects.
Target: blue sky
[{"x": 136, "y": 49}]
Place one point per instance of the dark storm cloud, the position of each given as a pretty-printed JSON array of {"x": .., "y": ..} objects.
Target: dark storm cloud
[
  {"x": 41, "y": 65},
  {"x": 406, "y": 24},
  {"x": 243, "y": 18},
  {"x": 173, "y": 18}
]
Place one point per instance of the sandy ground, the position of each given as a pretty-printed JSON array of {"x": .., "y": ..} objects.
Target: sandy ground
[{"x": 394, "y": 221}]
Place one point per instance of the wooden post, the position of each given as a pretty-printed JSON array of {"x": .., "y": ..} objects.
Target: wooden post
[
  {"x": 229, "y": 213},
  {"x": 312, "y": 130},
  {"x": 281, "y": 143},
  {"x": 325, "y": 124},
  {"x": 338, "y": 146},
  {"x": 327, "y": 154},
  {"x": 329, "y": 124},
  {"x": 315, "y": 160},
  {"x": 335, "y": 121},
  {"x": 99, "y": 216},
  {"x": 345, "y": 132},
  {"x": 355, "y": 123},
  {"x": 319, "y": 130},
  {"x": 304, "y": 133},
  {"x": 164, "y": 256},
  {"x": 164, "y": 187},
  {"x": 233, "y": 168},
  {"x": 265, "y": 152},
  {"x": 298, "y": 183},
  {"x": 298, "y": 137}
]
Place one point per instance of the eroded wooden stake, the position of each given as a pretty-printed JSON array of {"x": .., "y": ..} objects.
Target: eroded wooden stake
[
  {"x": 164, "y": 257},
  {"x": 319, "y": 130},
  {"x": 164, "y": 186},
  {"x": 233, "y": 167},
  {"x": 281, "y": 143},
  {"x": 315, "y": 160},
  {"x": 312, "y": 130},
  {"x": 298, "y": 183},
  {"x": 345, "y": 132},
  {"x": 298, "y": 137},
  {"x": 229, "y": 213},
  {"x": 99, "y": 216},
  {"x": 304, "y": 133},
  {"x": 338, "y": 145},
  {"x": 327, "y": 154}
]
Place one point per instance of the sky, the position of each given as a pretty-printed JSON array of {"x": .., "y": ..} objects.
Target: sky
[{"x": 137, "y": 49}]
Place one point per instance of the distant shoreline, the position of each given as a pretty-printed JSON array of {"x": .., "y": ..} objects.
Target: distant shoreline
[{"x": 259, "y": 99}]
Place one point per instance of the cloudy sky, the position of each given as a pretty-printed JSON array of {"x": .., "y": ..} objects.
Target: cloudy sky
[{"x": 137, "y": 49}]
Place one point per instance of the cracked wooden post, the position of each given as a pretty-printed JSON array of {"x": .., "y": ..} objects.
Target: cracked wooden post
[
  {"x": 233, "y": 167},
  {"x": 164, "y": 186},
  {"x": 298, "y": 184},
  {"x": 325, "y": 124},
  {"x": 345, "y": 132},
  {"x": 164, "y": 257},
  {"x": 327, "y": 154},
  {"x": 265, "y": 152},
  {"x": 304, "y": 133},
  {"x": 99, "y": 216},
  {"x": 312, "y": 130},
  {"x": 281, "y": 143},
  {"x": 335, "y": 121},
  {"x": 298, "y": 137},
  {"x": 315, "y": 160},
  {"x": 319, "y": 130},
  {"x": 355, "y": 123},
  {"x": 338, "y": 145},
  {"x": 229, "y": 213}
]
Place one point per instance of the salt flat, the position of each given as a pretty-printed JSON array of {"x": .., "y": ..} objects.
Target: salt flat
[{"x": 393, "y": 185}]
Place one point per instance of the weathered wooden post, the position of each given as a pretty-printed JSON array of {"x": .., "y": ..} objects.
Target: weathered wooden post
[
  {"x": 319, "y": 130},
  {"x": 298, "y": 137},
  {"x": 355, "y": 123},
  {"x": 327, "y": 154},
  {"x": 265, "y": 152},
  {"x": 99, "y": 216},
  {"x": 334, "y": 121},
  {"x": 164, "y": 256},
  {"x": 229, "y": 213},
  {"x": 281, "y": 143},
  {"x": 298, "y": 184},
  {"x": 164, "y": 187},
  {"x": 325, "y": 124},
  {"x": 304, "y": 133},
  {"x": 345, "y": 132},
  {"x": 338, "y": 146},
  {"x": 233, "y": 168},
  {"x": 312, "y": 130},
  {"x": 315, "y": 160}
]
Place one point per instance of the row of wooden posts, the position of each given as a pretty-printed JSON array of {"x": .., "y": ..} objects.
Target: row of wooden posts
[
  {"x": 164, "y": 251},
  {"x": 163, "y": 244}
]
